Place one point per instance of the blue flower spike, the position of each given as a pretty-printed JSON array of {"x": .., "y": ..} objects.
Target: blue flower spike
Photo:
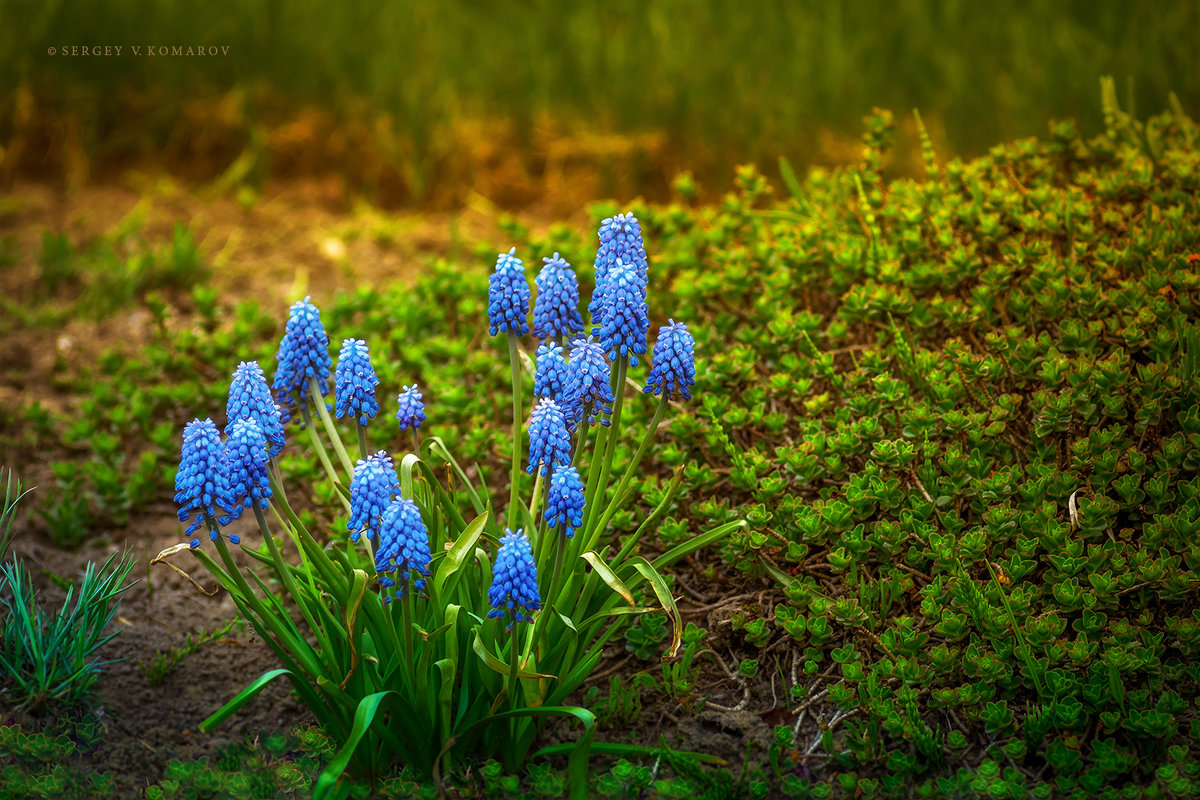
[
  {"x": 372, "y": 488},
  {"x": 564, "y": 504},
  {"x": 550, "y": 372},
  {"x": 514, "y": 591},
  {"x": 412, "y": 409},
  {"x": 303, "y": 354},
  {"x": 556, "y": 312},
  {"x": 549, "y": 442},
  {"x": 354, "y": 383},
  {"x": 620, "y": 240},
  {"x": 403, "y": 546},
  {"x": 250, "y": 398},
  {"x": 673, "y": 364},
  {"x": 202, "y": 482},
  {"x": 587, "y": 391},
  {"x": 508, "y": 296},
  {"x": 625, "y": 318},
  {"x": 249, "y": 483}
]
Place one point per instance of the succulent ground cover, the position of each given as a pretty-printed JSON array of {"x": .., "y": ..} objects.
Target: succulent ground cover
[{"x": 961, "y": 413}]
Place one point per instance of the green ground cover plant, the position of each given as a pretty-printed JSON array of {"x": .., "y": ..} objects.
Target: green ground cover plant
[{"x": 961, "y": 414}]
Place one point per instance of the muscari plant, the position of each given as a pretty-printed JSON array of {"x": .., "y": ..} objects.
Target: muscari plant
[{"x": 426, "y": 631}]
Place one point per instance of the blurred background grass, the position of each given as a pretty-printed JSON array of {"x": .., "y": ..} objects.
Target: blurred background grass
[{"x": 422, "y": 102}]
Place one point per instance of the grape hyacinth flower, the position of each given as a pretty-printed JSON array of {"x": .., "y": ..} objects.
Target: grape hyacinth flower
[
  {"x": 250, "y": 398},
  {"x": 372, "y": 488},
  {"x": 513, "y": 594},
  {"x": 403, "y": 545},
  {"x": 246, "y": 450},
  {"x": 303, "y": 354},
  {"x": 550, "y": 372},
  {"x": 508, "y": 296},
  {"x": 673, "y": 364},
  {"x": 620, "y": 240},
  {"x": 587, "y": 389},
  {"x": 564, "y": 504},
  {"x": 354, "y": 382},
  {"x": 624, "y": 318},
  {"x": 202, "y": 482},
  {"x": 549, "y": 442},
  {"x": 556, "y": 312},
  {"x": 412, "y": 410}
]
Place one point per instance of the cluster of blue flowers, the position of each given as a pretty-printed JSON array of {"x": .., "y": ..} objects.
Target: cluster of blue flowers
[
  {"x": 372, "y": 490},
  {"x": 514, "y": 591},
  {"x": 303, "y": 354},
  {"x": 403, "y": 546},
  {"x": 218, "y": 480},
  {"x": 564, "y": 501},
  {"x": 354, "y": 382}
]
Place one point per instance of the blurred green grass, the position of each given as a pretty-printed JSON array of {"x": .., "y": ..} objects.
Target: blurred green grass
[{"x": 726, "y": 83}]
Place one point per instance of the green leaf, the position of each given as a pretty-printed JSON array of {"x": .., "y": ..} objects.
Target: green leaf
[
  {"x": 664, "y": 596},
  {"x": 499, "y": 666},
  {"x": 363, "y": 716},
  {"x": 407, "y": 464},
  {"x": 243, "y": 697},
  {"x": 692, "y": 545},
  {"x": 792, "y": 182},
  {"x": 457, "y": 554},
  {"x": 608, "y": 576}
]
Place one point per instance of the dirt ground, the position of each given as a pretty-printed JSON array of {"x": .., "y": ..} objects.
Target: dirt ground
[{"x": 297, "y": 239}]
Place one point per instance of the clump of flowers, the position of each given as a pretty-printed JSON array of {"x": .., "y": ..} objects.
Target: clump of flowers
[{"x": 423, "y": 624}]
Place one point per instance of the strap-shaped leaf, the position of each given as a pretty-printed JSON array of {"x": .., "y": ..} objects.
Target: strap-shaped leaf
[
  {"x": 438, "y": 447},
  {"x": 499, "y": 666},
  {"x": 407, "y": 465},
  {"x": 243, "y": 697},
  {"x": 663, "y": 593},
  {"x": 363, "y": 716},
  {"x": 457, "y": 554},
  {"x": 358, "y": 588},
  {"x": 616, "y": 612},
  {"x": 608, "y": 576},
  {"x": 692, "y": 545}
]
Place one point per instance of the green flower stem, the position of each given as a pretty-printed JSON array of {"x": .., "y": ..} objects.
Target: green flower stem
[
  {"x": 614, "y": 433},
  {"x": 362, "y": 439},
  {"x": 321, "y": 454},
  {"x": 536, "y": 500},
  {"x": 514, "y": 358},
  {"x": 318, "y": 399},
  {"x": 285, "y": 574},
  {"x": 275, "y": 472},
  {"x": 627, "y": 479},
  {"x": 269, "y": 621},
  {"x": 416, "y": 441},
  {"x": 406, "y": 611},
  {"x": 602, "y": 434},
  {"x": 556, "y": 576},
  {"x": 277, "y": 492},
  {"x": 515, "y": 665}
]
